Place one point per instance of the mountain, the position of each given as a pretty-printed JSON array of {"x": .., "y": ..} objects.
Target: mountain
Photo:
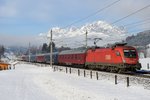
[
  {"x": 16, "y": 50},
  {"x": 141, "y": 39},
  {"x": 75, "y": 36}
]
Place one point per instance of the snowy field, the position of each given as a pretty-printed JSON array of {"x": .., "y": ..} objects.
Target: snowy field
[{"x": 29, "y": 82}]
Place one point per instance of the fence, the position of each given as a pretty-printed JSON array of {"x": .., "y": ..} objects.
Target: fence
[
  {"x": 92, "y": 74},
  {"x": 114, "y": 77}
]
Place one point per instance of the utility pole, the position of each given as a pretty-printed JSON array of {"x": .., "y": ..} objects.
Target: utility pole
[
  {"x": 29, "y": 52},
  {"x": 86, "y": 39},
  {"x": 51, "y": 50}
]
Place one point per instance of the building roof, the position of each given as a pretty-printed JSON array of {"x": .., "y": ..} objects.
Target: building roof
[{"x": 3, "y": 63}]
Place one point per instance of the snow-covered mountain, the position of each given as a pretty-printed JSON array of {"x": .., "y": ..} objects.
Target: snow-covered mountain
[{"x": 75, "y": 37}]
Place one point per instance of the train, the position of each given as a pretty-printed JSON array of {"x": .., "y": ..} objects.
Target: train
[{"x": 117, "y": 58}]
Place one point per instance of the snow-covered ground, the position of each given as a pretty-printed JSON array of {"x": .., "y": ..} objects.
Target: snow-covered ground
[
  {"x": 145, "y": 62},
  {"x": 29, "y": 82}
]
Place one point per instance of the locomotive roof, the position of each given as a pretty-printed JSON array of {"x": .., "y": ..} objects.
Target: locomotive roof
[{"x": 73, "y": 51}]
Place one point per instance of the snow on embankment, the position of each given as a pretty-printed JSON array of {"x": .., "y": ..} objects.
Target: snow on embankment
[
  {"x": 71, "y": 87},
  {"x": 62, "y": 89},
  {"x": 145, "y": 62}
]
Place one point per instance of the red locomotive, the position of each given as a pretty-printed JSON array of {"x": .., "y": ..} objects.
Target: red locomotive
[{"x": 117, "y": 58}]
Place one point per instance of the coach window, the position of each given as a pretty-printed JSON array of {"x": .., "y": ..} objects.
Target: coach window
[
  {"x": 66, "y": 57},
  {"x": 78, "y": 57},
  {"x": 75, "y": 56}
]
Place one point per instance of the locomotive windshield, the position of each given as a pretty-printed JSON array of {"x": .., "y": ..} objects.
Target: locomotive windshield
[{"x": 130, "y": 53}]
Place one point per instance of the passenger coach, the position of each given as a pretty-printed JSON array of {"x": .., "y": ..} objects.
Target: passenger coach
[{"x": 72, "y": 57}]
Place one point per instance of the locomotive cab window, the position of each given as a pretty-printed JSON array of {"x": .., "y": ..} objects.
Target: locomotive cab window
[{"x": 130, "y": 53}]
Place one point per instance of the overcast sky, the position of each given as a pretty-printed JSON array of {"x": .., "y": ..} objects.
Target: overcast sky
[{"x": 22, "y": 21}]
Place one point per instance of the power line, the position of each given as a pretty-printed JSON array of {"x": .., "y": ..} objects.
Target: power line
[
  {"x": 137, "y": 22},
  {"x": 105, "y": 8},
  {"x": 131, "y": 14},
  {"x": 136, "y": 30},
  {"x": 92, "y": 14},
  {"x": 109, "y": 5},
  {"x": 69, "y": 38}
]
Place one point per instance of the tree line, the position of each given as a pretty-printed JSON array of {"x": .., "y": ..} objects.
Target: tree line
[
  {"x": 2, "y": 50},
  {"x": 45, "y": 48}
]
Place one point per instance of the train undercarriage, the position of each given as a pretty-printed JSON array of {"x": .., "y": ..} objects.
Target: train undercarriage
[{"x": 116, "y": 68}]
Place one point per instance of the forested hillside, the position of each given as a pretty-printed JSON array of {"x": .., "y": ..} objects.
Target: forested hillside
[{"x": 141, "y": 39}]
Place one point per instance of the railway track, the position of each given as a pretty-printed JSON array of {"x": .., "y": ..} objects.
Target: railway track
[{"x": 139, "y": 73}]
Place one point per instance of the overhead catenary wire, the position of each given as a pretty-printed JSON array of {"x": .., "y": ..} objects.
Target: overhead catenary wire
[
  {"x": 116, "y": 20},
  {"x": 111, "y": 23},
  {"x": 81, "y": 42},
  {"x": 131, "y": 26},
  {"x": 141, "y": 21},
  {"x": 92, "y": 14},
  {"x": 70, "y": 38},
  {"x": 130, "y": 14},
  {"x": 139, "y": 30},
  {"x": 138, "y": 24}
]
